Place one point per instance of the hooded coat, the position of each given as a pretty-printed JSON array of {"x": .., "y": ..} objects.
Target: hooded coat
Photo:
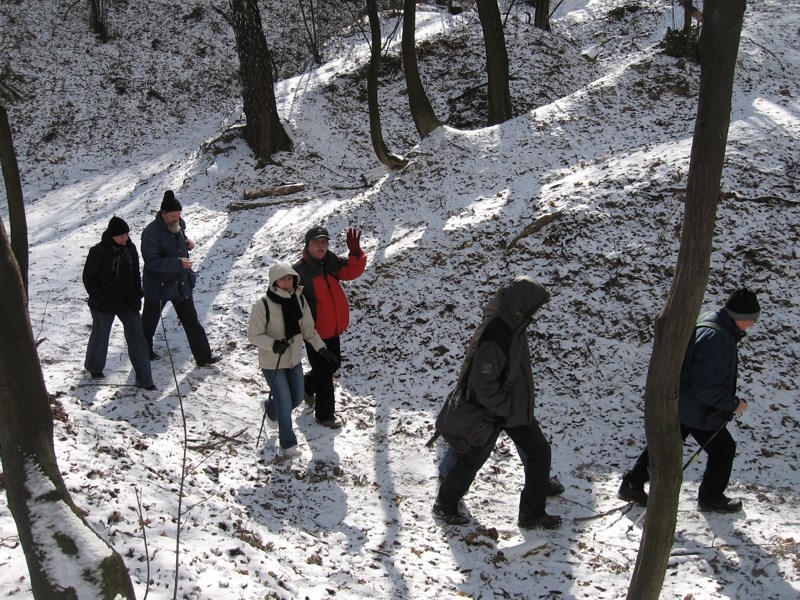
[
  {"x": 501, "y": 379},
  {"x": 165, "y": 279},
  {"x": 500, "y": 388},
  {"x": 263, "y": 332},
  {"x": 707, "y": 395},
  {"x": 111, "y": 276}
]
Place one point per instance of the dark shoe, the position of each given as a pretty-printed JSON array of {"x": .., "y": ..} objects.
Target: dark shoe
[
  {"x": 149, "y": 388},
  {"x": 722, "y": 505},
  {"x": 98, "y": 375},
  {"x": 540, "y": 521},
  {"x": 154, "y": 356},
  {"x": 554, "y": 487},
  {"x": 449, "y": 514},
  {"x": 335, "y": 422},
  {"x": 214, "y": 358},
  {"x": 632, "y": 492}
]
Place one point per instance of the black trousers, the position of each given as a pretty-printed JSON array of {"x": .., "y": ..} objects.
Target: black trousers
[
  {"x": 721, "y": 452},
  {"x": 187, "y": 315},
  {"x": 319, "y": 380},
  {"x": 531, "y": 441}
]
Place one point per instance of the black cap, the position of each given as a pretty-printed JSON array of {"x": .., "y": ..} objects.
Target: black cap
[
  {"x": 117, "y": 226},
  {"x": 170, "y": 202},
  {"x": 742, "y": 305},
  {"x": 315, "y": 233}
]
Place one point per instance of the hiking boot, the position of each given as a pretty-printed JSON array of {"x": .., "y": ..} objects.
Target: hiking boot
[
  {"x": 290, "y": 451},
  {"x": 538, "y": 521},
  {"x": 98, "y": 375},
  {"x": 214, "y": 358},
  {"x": 721, "y": 505},
  {"x": 310, "y": 399},
  {"x": 632, "y": 492},
  {"x": 449, "y": 514},
  {"x": 553, "y": 487},
  {"x": 335, "y": 422}
]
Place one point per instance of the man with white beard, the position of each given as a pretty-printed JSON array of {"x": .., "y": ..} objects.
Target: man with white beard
[{"x": 168, "y": 277}]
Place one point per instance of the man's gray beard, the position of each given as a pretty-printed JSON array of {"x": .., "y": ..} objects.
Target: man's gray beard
[{"x": 174, "y": 227}]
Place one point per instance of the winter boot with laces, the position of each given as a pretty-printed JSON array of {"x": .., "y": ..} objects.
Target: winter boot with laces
[
  {"x": 722, "y": 505},
  {"x": 449, "y": 514},
  {"x": 554, "y": 487},
  {"x": 632, "y": 492},
  {"x": 538, "y": 520}
]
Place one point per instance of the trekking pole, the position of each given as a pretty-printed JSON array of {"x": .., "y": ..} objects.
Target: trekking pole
[
  {"x": 704, "y": 446},
  {"x": 688, "y": 462},
  {"x": 269, "y": 397}
]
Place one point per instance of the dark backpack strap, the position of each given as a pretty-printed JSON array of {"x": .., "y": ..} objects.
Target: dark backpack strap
[{"x": 266, "y": 310}]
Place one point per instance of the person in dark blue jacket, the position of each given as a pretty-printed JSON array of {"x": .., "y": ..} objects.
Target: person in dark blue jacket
[
  {"x": 168, "y": 277},
  {"x": 111, "y": 278},
  {"x": 707, "y": 401}
]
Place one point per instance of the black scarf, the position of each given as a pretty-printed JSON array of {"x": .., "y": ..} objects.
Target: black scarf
[{"x": 292, "y": 312}]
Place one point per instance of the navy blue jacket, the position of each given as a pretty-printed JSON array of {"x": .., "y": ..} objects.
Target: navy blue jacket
[
  {"x": 707, "y": 396},
  {"x": 111, "y": 276},
  {"x": 164, "y": 278}
]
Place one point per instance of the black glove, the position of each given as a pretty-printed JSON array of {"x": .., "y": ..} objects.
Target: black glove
[
  {"x": 280, "y": 346},
  {"x": 330, "y": 357}
]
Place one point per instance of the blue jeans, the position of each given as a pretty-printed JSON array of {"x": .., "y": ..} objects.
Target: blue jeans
[
  {"x": 97, "y": 349},
  {"x": 286, "y": 394}
]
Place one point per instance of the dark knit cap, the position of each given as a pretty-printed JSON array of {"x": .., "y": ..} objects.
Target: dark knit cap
[
  {"x": 315, "y": 233},
  {"x": 170, "y": 202},
  {"x": 117, "y": 226},
  {"x": 742, "y": 305}
]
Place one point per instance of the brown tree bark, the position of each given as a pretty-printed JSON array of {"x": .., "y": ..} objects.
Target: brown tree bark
[
  {"x": 64, "y": 549},
  {"x": 381, "y": 151},
  {"x": 499, "y": 94},
  {"x": 421, "y": 110},
  {"x": 16, "y": 204},
  {"x": 719, "y": 46},
  {"x": 263, "y": 132},
  {"x": 541, "y": 18}
]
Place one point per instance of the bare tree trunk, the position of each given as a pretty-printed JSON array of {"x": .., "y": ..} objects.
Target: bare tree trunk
[
  {"x": 421, "y": 110},
  {"x": 62, "y": 551},
  {"x": 16, "y": 205},
  {"x": 264, "y": 132},
  {"x": 496, "y": 61},
  {"x": 719, "y": 46},
  {"x": 381, "y": 151},
  {"x": 541, "y": 18}
]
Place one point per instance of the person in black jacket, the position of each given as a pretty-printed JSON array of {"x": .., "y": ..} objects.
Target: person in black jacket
[
  {"x": 500, "y": 397},
  {"x": 707, "y": 401},
  {"x": 111, "y": 277}
]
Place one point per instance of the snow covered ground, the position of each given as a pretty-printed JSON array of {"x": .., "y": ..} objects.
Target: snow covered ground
[{"x": 602, "y": 147}]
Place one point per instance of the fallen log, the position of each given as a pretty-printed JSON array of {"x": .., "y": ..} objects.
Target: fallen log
[{"x": 281, "y": 190}]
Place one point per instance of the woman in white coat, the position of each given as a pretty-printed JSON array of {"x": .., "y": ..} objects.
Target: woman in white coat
[{"x": 279, "y": 322}]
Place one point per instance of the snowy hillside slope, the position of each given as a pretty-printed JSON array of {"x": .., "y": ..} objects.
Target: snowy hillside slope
[{"x": 601, "y": 147}]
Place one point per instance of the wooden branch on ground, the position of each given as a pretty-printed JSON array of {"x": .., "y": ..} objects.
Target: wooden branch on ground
[
  {"x": 534, "y": 227},
  {"x": 276, "y": 192},
  {"x": 281, "y": 190}
]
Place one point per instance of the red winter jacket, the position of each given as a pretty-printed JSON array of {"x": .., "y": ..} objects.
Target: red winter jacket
[{"x": 321, "y": 288}]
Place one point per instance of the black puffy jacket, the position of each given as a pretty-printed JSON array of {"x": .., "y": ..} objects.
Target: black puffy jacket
[{"x": 111, "y": 276}]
